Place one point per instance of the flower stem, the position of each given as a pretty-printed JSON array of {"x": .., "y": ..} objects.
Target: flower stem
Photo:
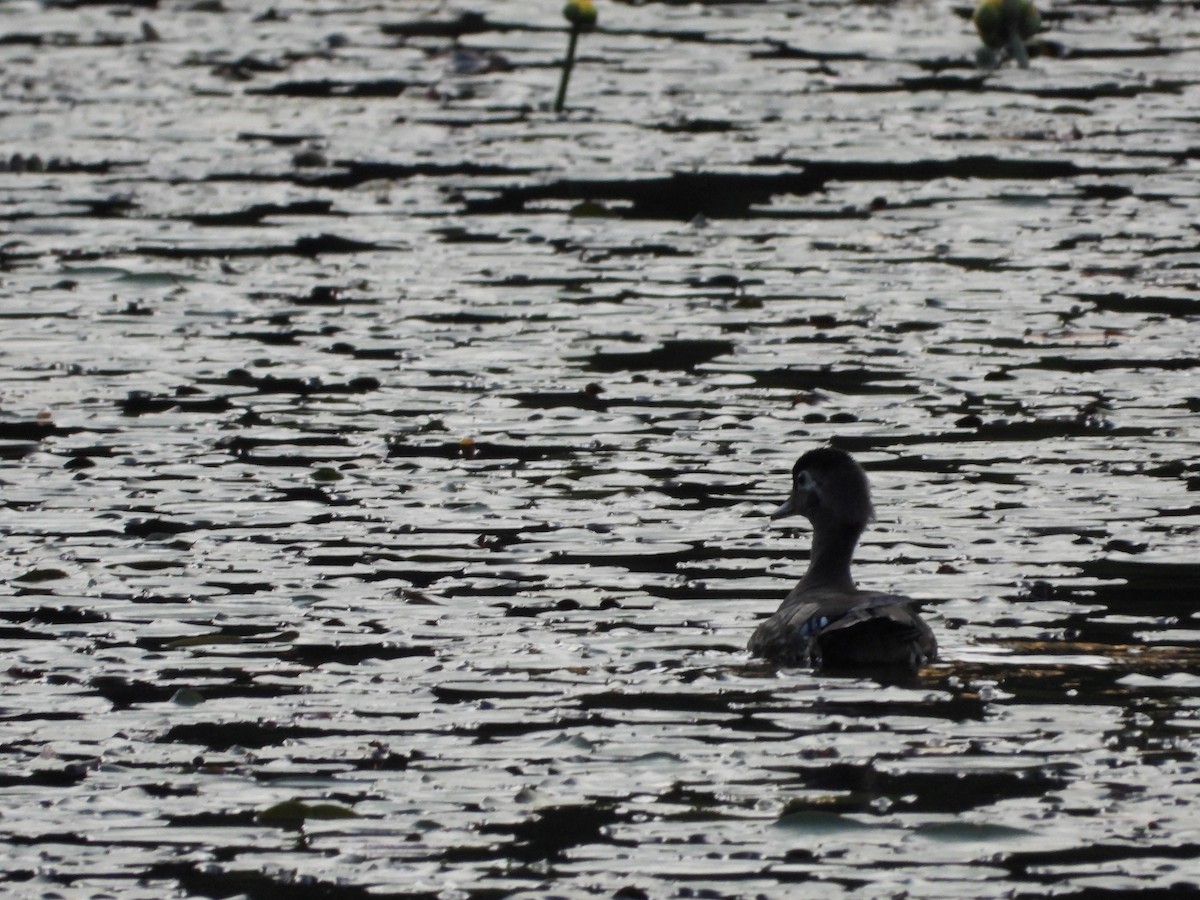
[
  {"x": 568, "y": 65},
  {"x": 1016, "y": 47}
]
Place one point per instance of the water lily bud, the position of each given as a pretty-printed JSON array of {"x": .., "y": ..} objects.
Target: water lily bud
[
  {"x": 581, "y": 14},
  {"x": 1030, "y": 21},
  {"x": 997, "y": 20}
]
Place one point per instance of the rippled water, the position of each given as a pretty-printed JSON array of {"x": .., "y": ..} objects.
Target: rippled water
[{"x": 385, "y": 460}]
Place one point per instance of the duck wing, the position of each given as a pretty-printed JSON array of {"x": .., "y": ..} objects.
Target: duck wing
[
  {"x": 790, "y": 636},
  {"x": 838, "y": 628}
]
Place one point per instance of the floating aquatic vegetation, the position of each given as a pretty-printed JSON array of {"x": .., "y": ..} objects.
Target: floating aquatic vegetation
[{"x": 410, "y": 449}]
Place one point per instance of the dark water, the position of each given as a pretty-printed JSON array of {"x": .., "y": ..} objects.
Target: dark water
[{"x": 385, "y": 459}]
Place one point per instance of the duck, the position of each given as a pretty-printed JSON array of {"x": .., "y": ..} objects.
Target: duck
[{"x": 826, "y": 621}]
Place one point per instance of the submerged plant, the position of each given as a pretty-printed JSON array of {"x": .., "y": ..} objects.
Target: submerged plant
[
  {"x": 582, "y": 16},
  {"x": 1005, "y": 25}
]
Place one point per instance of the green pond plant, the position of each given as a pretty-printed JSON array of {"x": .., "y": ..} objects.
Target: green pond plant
[
  {"x": 1005, "y": 26},
  {"x": 581, "y": 14}
]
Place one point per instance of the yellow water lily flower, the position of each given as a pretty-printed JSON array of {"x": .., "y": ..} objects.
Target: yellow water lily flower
[
  {"x": 580, "y": 13},
  {"x": 998, "y": 20},
  {"x": 1004, "y": 26}
]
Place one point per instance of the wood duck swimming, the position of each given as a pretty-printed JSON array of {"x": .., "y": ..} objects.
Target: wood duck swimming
[{"x": 826, "y": 621}]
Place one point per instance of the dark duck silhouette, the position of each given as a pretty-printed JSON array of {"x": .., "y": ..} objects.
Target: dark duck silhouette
[{"x": 826, "y": 621}]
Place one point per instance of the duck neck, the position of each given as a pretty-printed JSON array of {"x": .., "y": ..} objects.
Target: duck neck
[{"x": 832, "y": 550}]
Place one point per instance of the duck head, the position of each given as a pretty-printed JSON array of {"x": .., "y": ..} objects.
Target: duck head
[{"x": 828, "y": 487}]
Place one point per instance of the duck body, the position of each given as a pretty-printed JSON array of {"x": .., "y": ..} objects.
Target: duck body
[
  {"x": 826, "y": 621},
  {"x": 833, "y": 628}
]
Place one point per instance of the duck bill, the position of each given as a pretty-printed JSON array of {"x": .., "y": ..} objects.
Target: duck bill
[{"x": 790, "y": 508}]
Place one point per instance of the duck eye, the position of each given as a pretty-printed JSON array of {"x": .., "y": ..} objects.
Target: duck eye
[{"x": 804, "y": 481}]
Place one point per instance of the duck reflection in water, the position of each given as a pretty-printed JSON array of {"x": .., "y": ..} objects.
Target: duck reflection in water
[{"x": 826, "y": 621}]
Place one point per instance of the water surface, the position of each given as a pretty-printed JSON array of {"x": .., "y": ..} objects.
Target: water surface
[{"x": 386, "y": 460}]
